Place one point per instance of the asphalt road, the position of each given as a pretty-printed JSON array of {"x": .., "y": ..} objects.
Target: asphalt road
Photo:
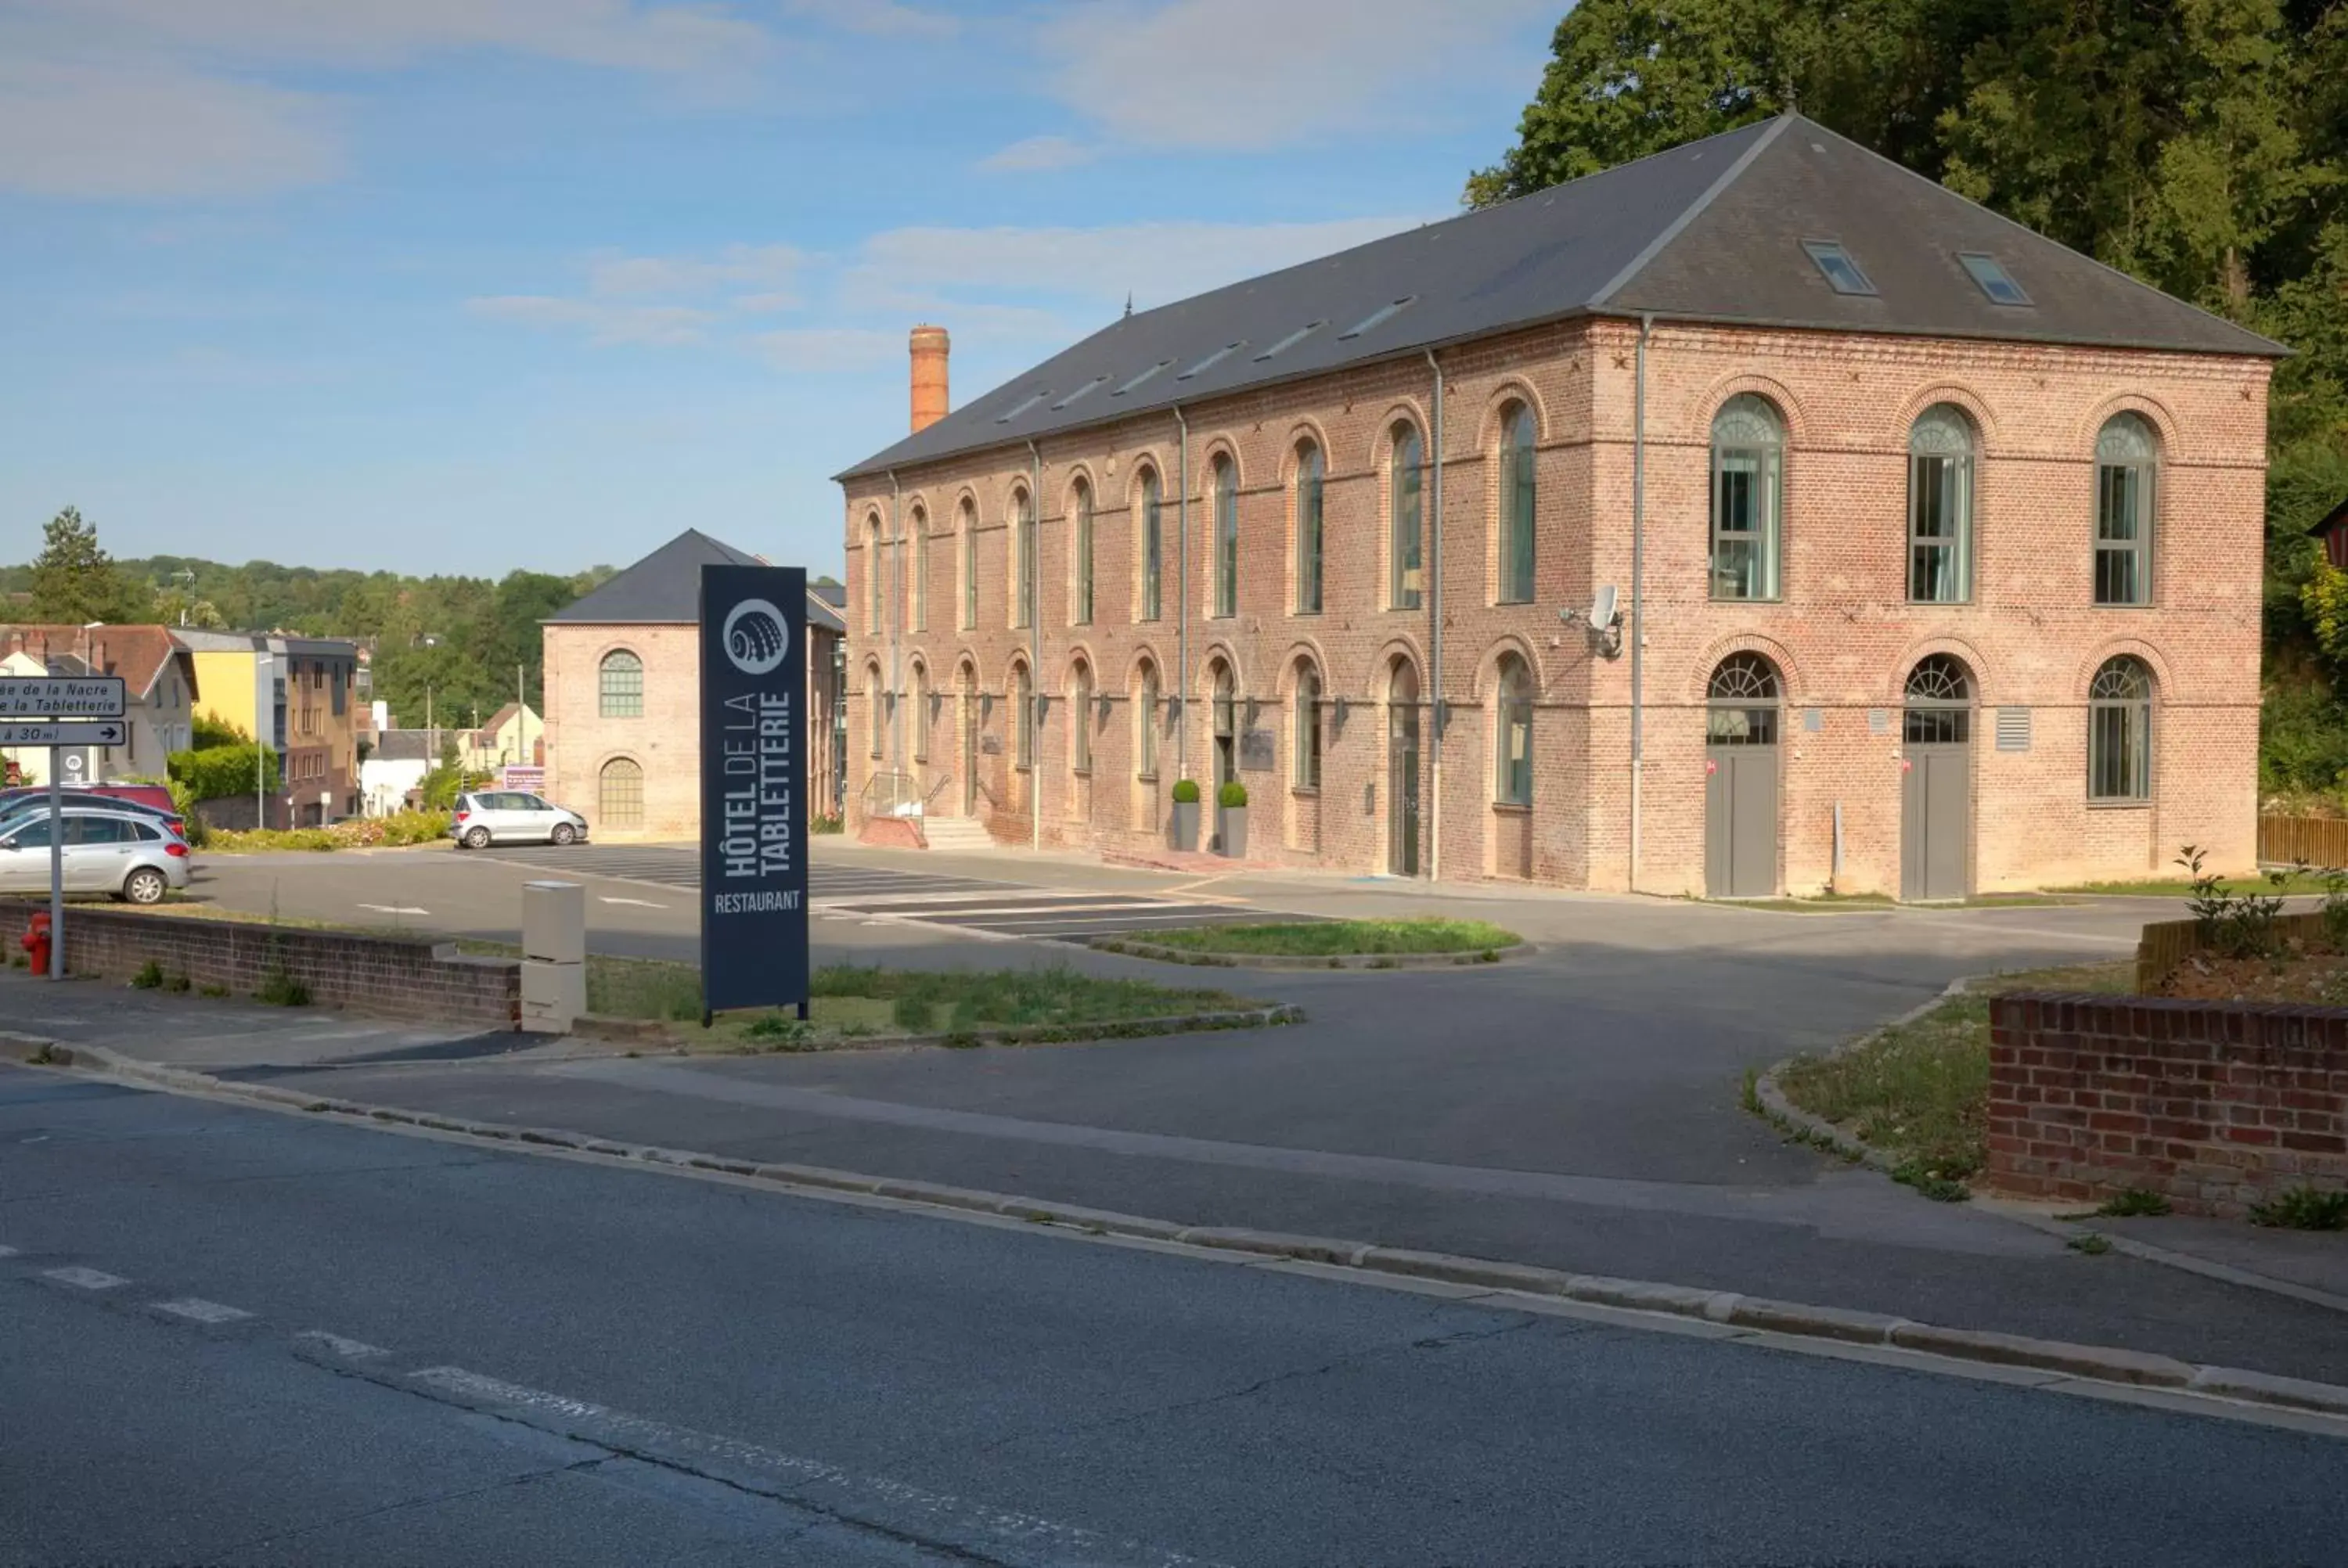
[{"x": 446, "y": 1355}]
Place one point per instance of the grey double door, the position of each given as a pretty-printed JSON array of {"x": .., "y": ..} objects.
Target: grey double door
[
  {"x": 1740, "y": 816},
  {"x": 1936, "y": 820}
]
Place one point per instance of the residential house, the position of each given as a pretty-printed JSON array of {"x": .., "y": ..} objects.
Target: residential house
[
  {"x": 298, "y": 695},
  {"x": 1755, "y": 518},
  {"x": 395, "y": 768},
  {"x": 622, "y": 728},
  {"x": 514, "y": 736},
  {"x": 160, "y": 692}
]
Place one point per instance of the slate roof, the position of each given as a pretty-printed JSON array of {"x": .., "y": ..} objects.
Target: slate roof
[
  {"x": 1708, "y": 231},
  {"x": 820, "y": 614},
  {"x": 407, "y": 745},
  {"x": 662, "y": 588},
  {"x": 139, "y": 653},
  {"x": 2335, "y": 518}
]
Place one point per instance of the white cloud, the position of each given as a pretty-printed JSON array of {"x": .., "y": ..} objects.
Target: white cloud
[
  {"x": 879, "y": 18},
  {"x": 1174, "y": 74},
  {"x": 604, "y": 322},
  {"x": 1039, "y": 152},
  {"x": 826, "y": 350},
  {"x": 774, "y": 266},
  {"x": 146, "y": 132}
]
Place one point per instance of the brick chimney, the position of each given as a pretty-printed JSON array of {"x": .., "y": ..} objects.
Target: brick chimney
[{"x": 930, "y": 349}]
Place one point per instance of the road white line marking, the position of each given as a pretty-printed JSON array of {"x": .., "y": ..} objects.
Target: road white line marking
[
  {"x": 8, "y": 1252},
  {"x": 639, "y": 903},
  {"x": 348, "y": 1349},
  {"x": 198, "y": 1310},
  {"x": 1027, "y": 911},
  {"x": 85, "y": 1278},
  {"x": 929, "y": 1516},
  {"x": 394, "y": 909}
]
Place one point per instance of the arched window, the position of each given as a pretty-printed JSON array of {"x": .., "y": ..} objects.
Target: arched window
[
  {"x": 1512, "y": 733},
  {"x": 1940, "y": 700},
  {"x": 1308, "y": 529},
  {"x": 1152, "y": 542},
  {"x": 1308, "y": 727},
  {"x": 1742, "y": 702},
  {"x": 875, "y": 700},
  {"x": 620, "y": 686},
  {"x": 968, "y": 528},
  {"x": 875, "y": 579},
  {"x": 1080, "y": 611},
  {"x": 921, "y": 694},
  {"x": 921, "y": 616},
  {"x": 1023, "y": 701},
  {"x": 1940, "y": 507},
  {"x": 1517, "y": 511},
  {"x": 2126, "y": 460},
  {"x": 1145, "y": 749},
  {"x": 2119, "y": 732},
  {"x": 1022, "y": 549},
  {"x": 620, "y": 796},
  {"x": 1227, "y": 536},
  {"x": 1080, "y": 720},
  {"x": 1748, "y": 449},
  {"x": 1407, "y": 520}
]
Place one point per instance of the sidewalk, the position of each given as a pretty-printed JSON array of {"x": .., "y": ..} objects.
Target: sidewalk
[{"x": 1115, "y": 1127}]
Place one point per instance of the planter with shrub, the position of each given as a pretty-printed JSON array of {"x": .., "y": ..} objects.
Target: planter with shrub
[
  {"x": 1231, "y": 820},
  {"x": 1182, "y": 821}
]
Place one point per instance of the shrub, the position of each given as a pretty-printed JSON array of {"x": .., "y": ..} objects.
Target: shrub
[
  {"x": 2303, "y": 1209},
  {"x": 2236, "y": 925},
  {"x": 1186, "y": 792},
  {"x": 833, "y": 823},
  {"x": 282, "y": 991},
  {"x": 149, "y": 976},
  {"x": 223, "y": 772},
  {"x": 1232, "y": 796}
]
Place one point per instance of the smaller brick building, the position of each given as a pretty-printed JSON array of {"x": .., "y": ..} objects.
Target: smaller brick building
[{"x": 622, "y": 732}]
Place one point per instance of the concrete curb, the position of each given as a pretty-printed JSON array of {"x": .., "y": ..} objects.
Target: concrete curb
[
  {"x": 1478, "y": 958},
  {"x": 1757, "y": 1315},
  {"x": 652, "y": 1034},
  {"x": 1817, "y": 1131}
]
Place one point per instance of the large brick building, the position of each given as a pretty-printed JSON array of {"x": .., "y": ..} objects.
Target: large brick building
[{"x": 1757, "y": 517}]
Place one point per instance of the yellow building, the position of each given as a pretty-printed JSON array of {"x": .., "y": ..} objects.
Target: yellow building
[{"x": 296, "y": 695}]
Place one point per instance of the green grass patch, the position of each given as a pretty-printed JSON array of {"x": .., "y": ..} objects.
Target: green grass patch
[
  {"x": 1919, "y": 1090},
  {"x": 2137, "y": 1203},
  {"x": 1826, "y": 903},
  {"x": 2302, "y": 1209},
  {"x": 1336, "y": 939},
  {"x": 2174, "y": 888}
]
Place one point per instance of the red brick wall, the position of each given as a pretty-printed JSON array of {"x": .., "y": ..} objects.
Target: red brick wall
[
  {"x": 384, "y": 975},
  {"x": 1843, "y": 635},
  {"x": 2215, "y": 1105}
]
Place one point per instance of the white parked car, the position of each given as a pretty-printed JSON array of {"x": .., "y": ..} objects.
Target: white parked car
[
  {"x": 129, "y": 854},
  {"x": 484, "y": 818}
]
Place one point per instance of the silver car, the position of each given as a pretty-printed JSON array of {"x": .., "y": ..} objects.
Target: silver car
[
  {"x": 483, "y": 817},
  {"x": 129, "y": 854}
]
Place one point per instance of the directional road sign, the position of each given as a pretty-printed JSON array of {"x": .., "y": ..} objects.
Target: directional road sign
[
  {"x": 59, "y": 697},
  {"x": 65, "y": 733}
]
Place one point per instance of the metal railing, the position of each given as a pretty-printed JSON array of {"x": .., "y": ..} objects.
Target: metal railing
[{"x": 888, "y": 793}]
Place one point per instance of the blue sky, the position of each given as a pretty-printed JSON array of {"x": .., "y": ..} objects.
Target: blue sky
[{"x": 467, "y": 285}]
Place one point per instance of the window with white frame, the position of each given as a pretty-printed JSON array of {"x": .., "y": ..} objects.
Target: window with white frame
[
  {"x": 1227, "y": 536},
  {"x": 2127, "y": 459},
  {"x": 1748, "y": 449},
  {"x": 2119, "y": 732},
  {"x": 1940, "y": 507},
  {"x": 1517, "y": 512}
]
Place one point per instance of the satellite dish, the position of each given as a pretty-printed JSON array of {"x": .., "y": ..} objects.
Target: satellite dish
[{"x": 1602, "y": 610}]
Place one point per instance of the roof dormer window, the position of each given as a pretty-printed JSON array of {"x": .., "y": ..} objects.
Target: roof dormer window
[
  {"x": 1994, "y": 279},
  {"x": 1842, "y": 273}
]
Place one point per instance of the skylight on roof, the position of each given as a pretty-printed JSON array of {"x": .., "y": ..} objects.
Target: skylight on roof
[
  {"x": 1842, "y": 273},
  {"x": 1214, "y": 359},
  {"x": 1994, "y": 279},
  {"x": 1079, "y": 392},
  {"x": 1376, "y": 318},
  {"x": 1138, "y": 380},
  {"x": 1005, "y": 418},
  {"x": 1291, "y": 341}
]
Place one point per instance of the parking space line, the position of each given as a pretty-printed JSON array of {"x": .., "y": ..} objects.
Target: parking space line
[
  {"x": 349, "y": 1349},
  {"x": 197, "y": 1310},
  {"x": 84, "y": 1278}
]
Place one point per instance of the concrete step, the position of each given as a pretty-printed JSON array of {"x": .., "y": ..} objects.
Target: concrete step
[{"x": 957, "y": 834}]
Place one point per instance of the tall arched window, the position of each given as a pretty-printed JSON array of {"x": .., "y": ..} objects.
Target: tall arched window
[
  {"x": 1308, "y": 529},
  {"x": 1080, "y": 610},
  {"x": 968, "y": 528},
  {"x": 1940, "y": 507},
  {"x": 620, "y": 796},
  {"x": 1406, "y": 519},
  {"x": 876, "y": 698},
  {"x": 1517, "y": 510},
  {"x": 2119, "y": 732},
  {"x": 876, "y": 582},
  {"x": 1145, "y": 750},
  {"x": 1152, "y": 543},
  {"x": 921, "y": 696},
  {"x": 1227, "y": 536},
  {"x": 620, "y": 686},
  {"x": 1308, "y": 727},
  {"x": 1080, "y": 719},
  {"x": 2127, "y": 459},
  {"x": 1022, "y": 703},
  {"x": 1023, "y": 551},
  {"x": 921, "y": 616},
  {"x": 1748, "y": 449},
  {"x": 1512, "y": 733}
]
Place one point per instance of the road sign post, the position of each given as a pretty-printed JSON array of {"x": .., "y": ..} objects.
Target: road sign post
[
  {"x": 60, "y": 711},
  {"x": 754, "y": 868},
  {"x": 56, "y": 732},
  {"x": 62, "y": 697},
  {"x": 56, "y": 866}
]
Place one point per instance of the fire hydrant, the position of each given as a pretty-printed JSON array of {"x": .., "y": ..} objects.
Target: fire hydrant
[{"x": 35, "y": 942}]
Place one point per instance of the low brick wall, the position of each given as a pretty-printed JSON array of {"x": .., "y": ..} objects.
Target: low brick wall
[
  {"x": 2166, "y": 944},
  {"x": 2214, "y": 1105},
  {"x": 387, "y": 974}
]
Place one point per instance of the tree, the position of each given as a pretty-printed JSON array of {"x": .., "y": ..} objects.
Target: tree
[{"x": 75, "y": 582}]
